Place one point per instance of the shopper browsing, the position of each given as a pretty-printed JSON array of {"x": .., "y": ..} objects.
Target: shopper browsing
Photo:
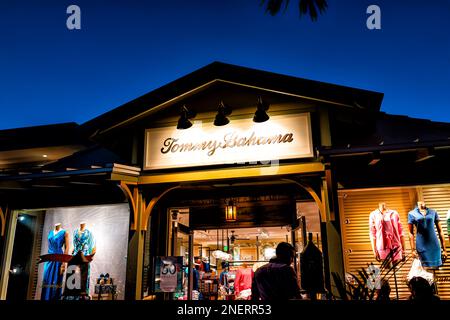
[{"x": 277, "y": 279}]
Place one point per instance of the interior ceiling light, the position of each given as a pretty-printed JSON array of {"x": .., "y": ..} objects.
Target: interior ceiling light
[
  {"x": 222, "y": 112},
  {"x": 261, "y": 111},
  {"x": 185, "y": 115},
  {"x": 375, "y": 159},
  {"x": 424, "y": 154},
  {"x": 230, "y": 212}
]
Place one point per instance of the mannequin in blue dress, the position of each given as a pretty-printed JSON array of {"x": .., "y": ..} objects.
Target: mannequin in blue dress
[
  {"x": 58, "y": 239},
  {"x": 427, "y": 247},
  {"x": 83, "y": 240}
]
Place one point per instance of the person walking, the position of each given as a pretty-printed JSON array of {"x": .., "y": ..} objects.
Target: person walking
[{"x": 277, "y": 279}]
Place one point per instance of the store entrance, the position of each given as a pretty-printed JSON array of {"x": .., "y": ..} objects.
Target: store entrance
[
  {"x": 22, "y": 268},
  {"x": 223, "y": 260},
  {"x": 204, "y": 231}
]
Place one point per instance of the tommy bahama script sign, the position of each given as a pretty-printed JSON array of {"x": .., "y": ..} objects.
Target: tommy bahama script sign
[{"x": 241, "y": 141}]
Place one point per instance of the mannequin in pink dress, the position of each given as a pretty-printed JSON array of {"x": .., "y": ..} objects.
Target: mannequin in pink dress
[{"x": 386, "y": 233}]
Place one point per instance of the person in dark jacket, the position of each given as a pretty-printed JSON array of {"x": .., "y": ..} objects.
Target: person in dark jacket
[
  {"x": 421, "y": 290},
  {"x": 277, "y": 279}
]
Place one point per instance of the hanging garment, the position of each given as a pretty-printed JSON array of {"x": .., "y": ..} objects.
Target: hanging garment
[
  {"x": 84, "y": 242},
  {"x": 387, "y": 230},
  {"x": 427, "y": 243},
  {"x": 195, "y": 279},
  {"x": 223, "y": 278},
  {"x": 243, "y": 280},
  {"x": 311, "y": 269},
  {"x": 53, "y": 278}
]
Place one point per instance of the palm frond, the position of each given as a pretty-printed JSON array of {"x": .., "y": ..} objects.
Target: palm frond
[{"x": 313, "y": 8}]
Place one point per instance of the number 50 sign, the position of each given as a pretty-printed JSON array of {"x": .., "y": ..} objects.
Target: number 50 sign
[{"x": 169, "y": 274}]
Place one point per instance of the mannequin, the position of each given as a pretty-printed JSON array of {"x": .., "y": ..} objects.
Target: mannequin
[
  {"x": 243, "y": 281},
  {"x": 84, "y": 242},
  {"x": 426, "y": 244},
  {"x": 386, "y": 233},
  {"x": 53, "y": 270}
]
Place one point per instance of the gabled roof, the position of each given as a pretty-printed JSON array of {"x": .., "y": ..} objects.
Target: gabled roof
[{"x": 218, "y": 71}]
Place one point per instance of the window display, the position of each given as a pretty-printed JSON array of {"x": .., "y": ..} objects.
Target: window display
[
  {"x": 424, "y": 220},
  {"x": 386, "y": 233},
  {"x": 99, "y": 233}
]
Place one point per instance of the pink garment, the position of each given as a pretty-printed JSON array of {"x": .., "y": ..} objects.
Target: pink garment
[
  {"x": 243, "y": 280},
  {"x": 387, "y": 230}
]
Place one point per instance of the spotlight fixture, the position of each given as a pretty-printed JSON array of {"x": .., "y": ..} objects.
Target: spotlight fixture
[
  {"x": 222, "y": 112},
  {"x": 185, "y": 115},
  {"x": 261, "y": 114},
  {"x": 230, "y": 212}
]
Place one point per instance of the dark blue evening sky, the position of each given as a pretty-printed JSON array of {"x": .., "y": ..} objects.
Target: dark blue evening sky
[{"x": 126, "y": 48}]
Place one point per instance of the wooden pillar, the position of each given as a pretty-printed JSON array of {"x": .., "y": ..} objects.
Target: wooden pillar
[
  {"x": 332, "y": 245},
  {"x": 135, "y": 256}
]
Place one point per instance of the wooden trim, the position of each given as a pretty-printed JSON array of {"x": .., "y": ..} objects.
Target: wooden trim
[
  {"x": 3, "y": 217},
  {"x": 36, "y": 252},
  {"x": 133, "y": 199},
  {"x": 120, "y": 167},
  {"x": 160, "y": 106},
  {"x": 315, "y": 196},
  {"x": 7, "y": 256},
  {"x": 122, "y": 177},
  {"x": 147, "y": 210},
  {"x": 221, "y": 174}
]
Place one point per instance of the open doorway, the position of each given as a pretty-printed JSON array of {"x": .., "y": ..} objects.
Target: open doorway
[{"x": 23, "y": 270}]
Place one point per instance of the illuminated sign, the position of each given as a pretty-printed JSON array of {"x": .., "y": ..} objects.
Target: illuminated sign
[{"x": 241, "y": 141}]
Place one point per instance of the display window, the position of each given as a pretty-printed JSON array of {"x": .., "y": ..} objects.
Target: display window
[
  {"x": 408, "y": 227},
  {"x": 69, "y": 253}
]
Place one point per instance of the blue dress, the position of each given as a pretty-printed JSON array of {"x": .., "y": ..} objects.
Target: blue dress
[
  {"x": 52, "y": 282},
  {"x": 427, "y": 243},
  {"x": 84, "y": 242}
]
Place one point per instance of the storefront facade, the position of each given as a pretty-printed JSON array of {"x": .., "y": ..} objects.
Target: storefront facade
[{"x": 275, "y": 148}]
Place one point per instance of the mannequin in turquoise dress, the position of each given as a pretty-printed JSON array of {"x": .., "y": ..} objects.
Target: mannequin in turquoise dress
[
  {"x": 58, "y": 239},
  {"x": 428, "y": 248},
  {"x": 83, "y": 240}
]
